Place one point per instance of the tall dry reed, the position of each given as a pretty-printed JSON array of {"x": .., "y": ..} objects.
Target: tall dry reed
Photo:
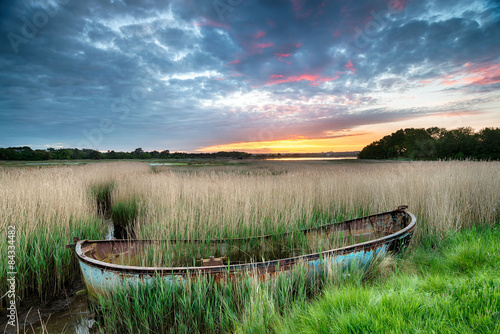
[{"x": 271, "y": 197}]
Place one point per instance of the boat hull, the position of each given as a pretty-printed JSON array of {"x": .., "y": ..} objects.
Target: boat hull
[{"x": 102, "y": 278}]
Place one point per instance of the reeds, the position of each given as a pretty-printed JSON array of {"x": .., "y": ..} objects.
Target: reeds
[
  {"x": 204, "y": 305},
  {"x": 102, "y": 194},
  {"x": 270, "y": 198},
  {"x": 124, "y": 214},
  {"x": 49, "y": 206}
]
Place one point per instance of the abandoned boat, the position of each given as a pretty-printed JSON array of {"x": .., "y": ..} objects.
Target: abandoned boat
[{"x": 108, "y": 264}]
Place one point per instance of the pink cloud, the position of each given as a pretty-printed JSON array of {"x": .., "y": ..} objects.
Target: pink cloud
[
  {"x": 314, "y": 79},
  {"x": 259, "y": 34},
  {"x": 485, "y": 75},
  {"x": 350, "y": 67},
  {"x": 297, "y": 5},
  {"x": 450, "y": 82},
  {"x": 234, "y": 61},
  {"x": 281, "y": 55},
  {"x": 253, "y": 47},
  {"x": 264, "y": 45},
  {"x": 397, "y": 5},
  {"x": 208, "y": 22},
  {"x": 473, "y": 75}
]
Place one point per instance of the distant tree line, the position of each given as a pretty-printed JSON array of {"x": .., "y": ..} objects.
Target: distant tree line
[
  {"x": 28, "y": 154},
  {"x": 436, "y": 143}
]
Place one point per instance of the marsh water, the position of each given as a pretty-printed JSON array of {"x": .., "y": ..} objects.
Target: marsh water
[
  {"x": 74, "y": 318},
  {"x": 310, "y": 158}
]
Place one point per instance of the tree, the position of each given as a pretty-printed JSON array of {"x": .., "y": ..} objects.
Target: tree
[
  {"x": 436, "y": 143},
  {"x": 165, "y": 154},
  {"x": 138, "y": 152},
  {"x": 489, "y": 139}
]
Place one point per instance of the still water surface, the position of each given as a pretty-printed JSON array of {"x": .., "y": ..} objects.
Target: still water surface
[{"x": 312, "y": 158}]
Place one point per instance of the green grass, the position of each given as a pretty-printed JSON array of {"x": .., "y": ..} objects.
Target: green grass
[{"x": 454, "y": 288}]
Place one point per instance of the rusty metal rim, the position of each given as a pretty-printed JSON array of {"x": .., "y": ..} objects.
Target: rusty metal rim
[{"x": 408, "y": 230}]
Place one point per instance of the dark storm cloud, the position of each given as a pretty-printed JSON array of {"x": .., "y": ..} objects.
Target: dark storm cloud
[{"x": 124, "y": 74}]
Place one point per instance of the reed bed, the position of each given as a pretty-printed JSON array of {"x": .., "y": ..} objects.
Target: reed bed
[
  {"x": 50, "y": 205},
  {"x": 270, "y": 198}
]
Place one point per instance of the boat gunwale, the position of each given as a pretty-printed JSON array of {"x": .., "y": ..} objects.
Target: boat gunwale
[{"x": 247, "y": 266}]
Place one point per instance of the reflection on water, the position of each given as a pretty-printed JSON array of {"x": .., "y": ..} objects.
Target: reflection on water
[
  {"x": 111, "y": 230},
  {"x": 57, "y": 163},
  {"x": 312, "y": 158},
  {"x": 74, "y": 319}
]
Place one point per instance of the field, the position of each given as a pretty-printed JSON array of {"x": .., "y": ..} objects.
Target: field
[{"x": 49, "y": 206}]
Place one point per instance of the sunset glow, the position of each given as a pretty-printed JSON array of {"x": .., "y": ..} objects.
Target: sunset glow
[{"x": 302, "y": 145}]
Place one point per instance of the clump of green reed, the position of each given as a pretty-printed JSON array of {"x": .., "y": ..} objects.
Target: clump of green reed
[
  {"x": 454, "y": 288},
  {"x": 102, "y": 194},
  {"x": 202, "y": 305},
  {"x": 44, "y": 266},
  {"x": 124, "y": 214}
]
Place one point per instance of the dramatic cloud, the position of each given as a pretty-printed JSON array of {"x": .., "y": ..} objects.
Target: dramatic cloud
[{"x": 207, "y": 75}]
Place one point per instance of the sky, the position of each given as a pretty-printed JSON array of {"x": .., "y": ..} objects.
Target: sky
[{"x": 257, "y": 76}]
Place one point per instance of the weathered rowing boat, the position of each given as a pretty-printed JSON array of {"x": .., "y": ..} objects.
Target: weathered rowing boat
[{"x": 108, "y": 264}]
